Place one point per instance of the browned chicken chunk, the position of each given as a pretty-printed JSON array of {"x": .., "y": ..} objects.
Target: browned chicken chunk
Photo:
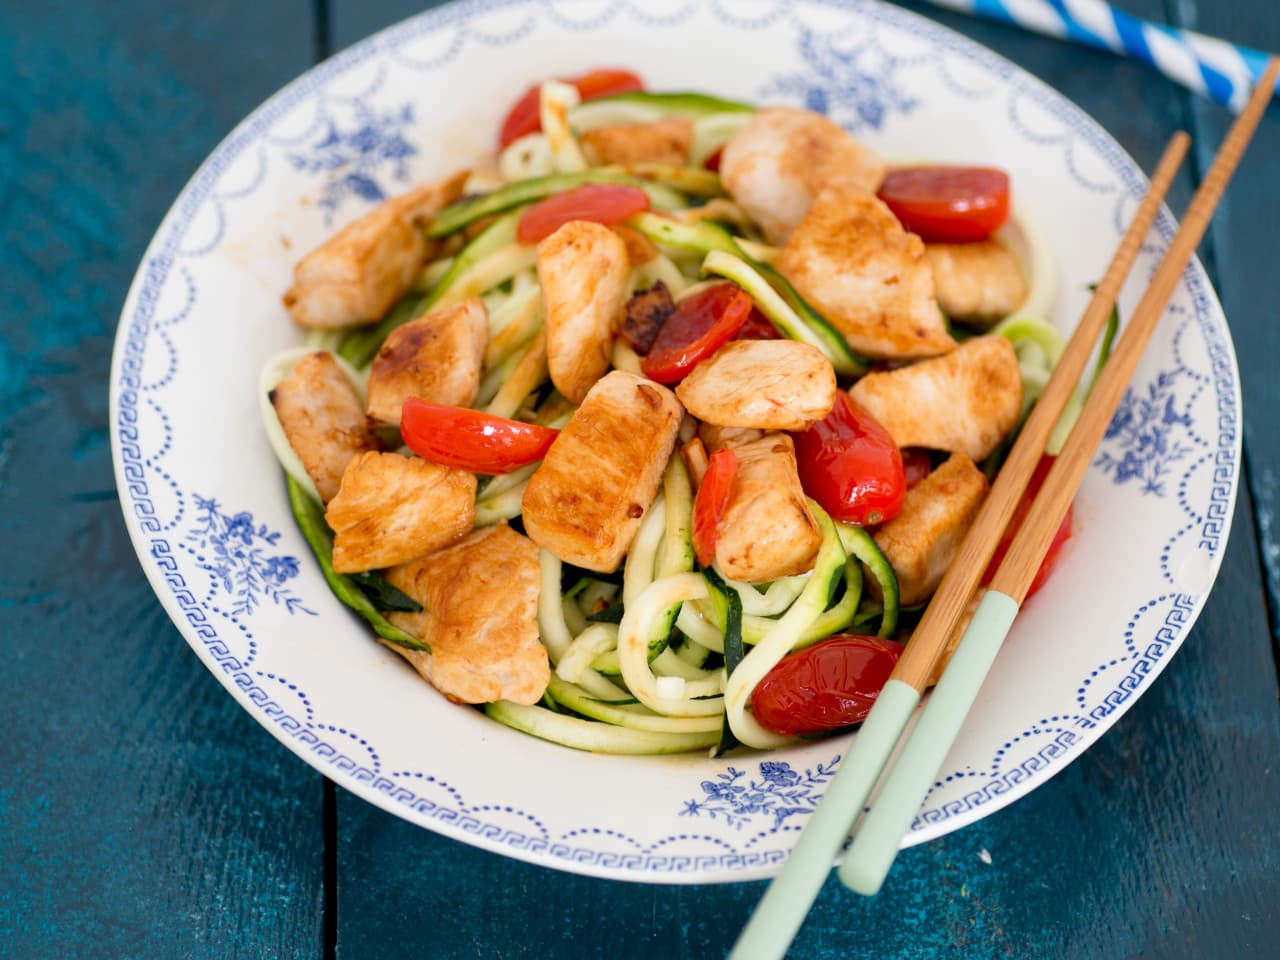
[
  {"x": 976, "y": 283},
  {"x": 716, "y": 438},
  {"x": 767, "y": 384},
  {"x": 967, "y": 401},
  {"x": 586, "y": 501},
  {"x": 922, "y": 540},
  {"x": 437, "y": 357},
  {"x": 853, "y": 262},
  {"x": 782, "y": 159},
  {"x": 479, "y": 617},
  {"x": 321, "y": 415},
  {"x": 767, "y": 530},
  {"x": 640, "y": 249},
  {"x": 393, "y": 508},
  {"x": 583, "y": 270},
  {"x": 355, "y": 276},
  {"x": 663, "y": 141}
]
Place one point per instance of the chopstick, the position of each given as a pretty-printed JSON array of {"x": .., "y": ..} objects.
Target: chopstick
[
  {"x": 878, "y": 838},
  {"x": 779, "y": 914},
  {"x": 781, "y": 911}
]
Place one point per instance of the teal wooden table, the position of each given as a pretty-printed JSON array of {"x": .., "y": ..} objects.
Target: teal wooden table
[{"x": 144, "y": 814}]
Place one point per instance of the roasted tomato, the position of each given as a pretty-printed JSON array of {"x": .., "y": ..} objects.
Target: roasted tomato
[
  {"x": 524, "y": 117},
  {"x": 700, "y": 325},
  {"x": 1015, "y": 523},
  {"x": 606, "y": 203},
  {"x": 471, "y": 439},
  {"x": 710, "y": 502},
  {"x": 850, "y": 465},
  {"x": 916, "y": 464},
  {"x": 830, "y": 685},
  {"x": 948, "y": 204}
]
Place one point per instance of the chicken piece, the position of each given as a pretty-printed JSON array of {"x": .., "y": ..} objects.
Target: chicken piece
[
  {"x": 320, "y": 412},
  {"x": 784, "y": 157},
  {"x": 767, "y": 530},
  {"x": 767, "y": 384},
  {"x": 640, "y": 249},
  {"x": 583, "y": 269},
  {"x": 976, "y": 283},
  {"x": 922, "y": 540},
  {"x": 717, "y": 438},
  {"x": 587, "y": 499},
  {"x": 853, "y": 262},
  {"x": 966, "y": 401},
  {"x": 479, "y": 617},
  {"x": 437, "y": 357},
  {"x": 357, "y": 274},
  {"x": 662, "y": 141},
  {"x": 393, "y": 508}
]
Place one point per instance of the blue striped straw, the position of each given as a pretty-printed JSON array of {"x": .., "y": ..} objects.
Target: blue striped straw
[{"x": 1221, "y": 71}]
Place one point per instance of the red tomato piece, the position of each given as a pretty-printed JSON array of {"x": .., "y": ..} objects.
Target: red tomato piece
[
  {"x": 701, "y": 325},
  {"x": 712, "y": 162},
  {"x": 916, "y": 464},
  {"x": 710, "y": 502},
  {"x": 948, "y": 204},
  {"x": 830, "y": 685},
  {"x": 850, "y": 465},
  {"x": 1060, "y": 536},
  {"x": 606, "y": 203},
  {"x": 757, "y": 327},
  {"x": 524, "y": 116},
  {"x": 471, "y": 439}
]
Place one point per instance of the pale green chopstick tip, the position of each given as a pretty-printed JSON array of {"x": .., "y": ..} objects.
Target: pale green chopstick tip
[
  {"x": 876, "y": 843},
  {"x": 782, "y": 910}
]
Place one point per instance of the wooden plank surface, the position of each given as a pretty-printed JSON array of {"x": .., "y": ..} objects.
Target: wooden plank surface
[
  {"x": 142, "y": 813},
  {"x": 1242, "y": 256},
  {"x": 1097, "y": 863}
]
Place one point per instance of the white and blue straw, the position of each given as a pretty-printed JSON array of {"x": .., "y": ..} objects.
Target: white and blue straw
[{"x": 1223, "y": 72}]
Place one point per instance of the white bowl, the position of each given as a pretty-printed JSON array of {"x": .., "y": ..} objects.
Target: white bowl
[{"x": 204, "y": 498}]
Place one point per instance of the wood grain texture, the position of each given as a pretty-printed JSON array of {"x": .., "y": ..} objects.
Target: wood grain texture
[
  {"x": 1241, "y": 255},
  {"x": 142, "y": 812},
  {"x": 1161, "y": 841}
]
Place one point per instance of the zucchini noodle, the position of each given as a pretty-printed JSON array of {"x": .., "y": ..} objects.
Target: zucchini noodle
[{"x": 664, "y": 655}]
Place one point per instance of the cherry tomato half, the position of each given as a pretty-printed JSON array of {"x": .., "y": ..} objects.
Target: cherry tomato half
[
  {"x": 471, "y": 439},
  {"x": 916, "y": 464},
  {"x": 757, "y": 327},
  {"x": 709, "y": 504},
  {"x": 524, "y": 116},
  {"x": 830, "y": 685},
  {"x": 850, "y": 465},
  {"x": 948, "y": 204},
  {"x": 701, "y": 325},
  {"x": 1060, "y": 537},
  {"x": 606, "y": 203}
]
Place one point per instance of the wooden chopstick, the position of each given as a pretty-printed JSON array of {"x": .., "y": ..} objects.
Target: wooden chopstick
[
  {"x": 920, "y": 658},
  {"x": 785, "y": 904},
  {"x": 880, "y": 833},
  {"x": 779, "y": 914}
]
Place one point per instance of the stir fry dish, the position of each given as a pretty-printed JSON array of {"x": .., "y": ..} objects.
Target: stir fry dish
[{"x": 656, "y": 433}]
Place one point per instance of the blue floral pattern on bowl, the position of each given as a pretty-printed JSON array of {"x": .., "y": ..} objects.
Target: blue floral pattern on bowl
[
  {"x": 779, "y": 792},
  {"x": 233, "y": 551},
  {"x": 853, "y": 85},
  {"x": 346, "y": 151},
  {"x": 1147, "y": 435},
  {"x": 361, "y": 161}
]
